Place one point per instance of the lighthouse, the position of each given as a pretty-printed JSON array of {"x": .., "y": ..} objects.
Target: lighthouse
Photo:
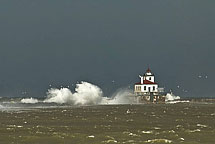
[{"x": 147, "y": 89}]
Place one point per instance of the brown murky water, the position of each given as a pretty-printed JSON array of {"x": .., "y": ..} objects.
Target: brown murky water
[{"x": 188, "y": 123}]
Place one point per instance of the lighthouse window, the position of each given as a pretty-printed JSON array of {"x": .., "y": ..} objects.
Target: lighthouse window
[
  {"x": 144, "y": 87},
  {"x": 138, "y": 88},
  {"x": 153, "y": 88},
  {"x": 150, "y": 78}
]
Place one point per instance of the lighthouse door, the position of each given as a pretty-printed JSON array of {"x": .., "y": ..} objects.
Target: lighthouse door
[{"x": 149, "y": 89}]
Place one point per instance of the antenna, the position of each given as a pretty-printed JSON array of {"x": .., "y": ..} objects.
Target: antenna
[{"x": 148, "y": 70}]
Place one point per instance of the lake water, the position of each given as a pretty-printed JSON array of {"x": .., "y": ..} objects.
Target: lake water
[{"x": 187, "y": 123}]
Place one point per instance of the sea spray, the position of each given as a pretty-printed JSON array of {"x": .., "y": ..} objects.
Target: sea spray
[
  {"x": 85, "y": 94},
  {"x": 121, "y": 96},
  {"x": 29, "y": 100},
  {"x": 60, "y": 96},
  {"x": 1, "y": 106},
  {"x": 89, "y": 94},
  {"x": 171, "y": 97}
]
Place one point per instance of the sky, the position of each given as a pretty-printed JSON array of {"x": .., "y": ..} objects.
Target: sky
[{"x": 108, "y": 43}]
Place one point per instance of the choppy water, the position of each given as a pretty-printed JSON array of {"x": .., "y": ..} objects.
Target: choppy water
[{"x": 187, "y": 123}]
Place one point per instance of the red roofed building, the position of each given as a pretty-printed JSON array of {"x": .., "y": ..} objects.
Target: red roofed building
[{"x": 147, "y": 87}]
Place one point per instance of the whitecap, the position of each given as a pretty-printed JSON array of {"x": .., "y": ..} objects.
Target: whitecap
[
  {"x": 110, "y": 141},
  {"x": 192, "y": 131},
  {"x": 171, "y": 97},
  {"x": 201, "y": 125},
  {"x": 174, "y": 102},
  {"x": 147, "y": 132},
  {"x": 91, "y": 136},
  {"x": 182, "y": 139},
  {"x": 157, "y": 128},
  {"x": 171, "y": 131},
  {"x": 159, "y": 141},
  {"x": 29, "y": 100}
]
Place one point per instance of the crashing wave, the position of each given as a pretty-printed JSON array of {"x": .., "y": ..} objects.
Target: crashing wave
[
  {"x": 1, "y": 106},
  {"x": 171, "y": 97},
  {"x": 29, "y": 100},
  {"x": 122, "y": 96},
  {"x": 85, "y": 94}
]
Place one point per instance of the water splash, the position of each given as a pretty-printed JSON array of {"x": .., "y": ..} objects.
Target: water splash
[
  {"x": 85, "y": 94},
  {"x": 29, "y": 100},
  {"x": 121, "y": 96},
  {"x": 171, "y": 97},
  {"x": 1, "y": 106}
]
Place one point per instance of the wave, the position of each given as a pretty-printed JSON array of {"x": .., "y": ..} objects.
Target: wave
[
  {"x": 1, "y": 106},
  {"x": 85, "y": 94},
  {"x": 121, "y": 96},
  {"x": 171, "y": 97},
  {"x": 89, "y": 94},
  {"x": 178, "y": 101},
  {"x": 29, "y": 100}
]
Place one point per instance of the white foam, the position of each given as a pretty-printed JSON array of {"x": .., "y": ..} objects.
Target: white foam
[
  {"x": 171, "y": 97},
  {"x": 85, "y": 93},
  {"x": 121, "y": 96},
  {"x": 132, "y": 134},
  {"x": 159, "y": 141},
  {"x": 29, "y": 100},
  {"x": 196, "y": 130},
  {"x": 91, "y": 136},
  {"x": 182, "y": 139},
  {"x": 109, "y": 141},
  {"x": 147, "y": 132},
  {"x": 179, "y": 101},
  {"x": 201, "y": 125}
]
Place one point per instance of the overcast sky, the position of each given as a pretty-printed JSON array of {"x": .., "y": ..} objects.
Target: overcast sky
[{"x": 60, "y": 42}]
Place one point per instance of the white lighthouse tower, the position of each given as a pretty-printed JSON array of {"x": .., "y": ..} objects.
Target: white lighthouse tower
[{"x": 147, "y": 89}]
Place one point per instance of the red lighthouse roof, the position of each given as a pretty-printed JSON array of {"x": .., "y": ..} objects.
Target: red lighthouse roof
[{"x": 146, "y": 82}]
